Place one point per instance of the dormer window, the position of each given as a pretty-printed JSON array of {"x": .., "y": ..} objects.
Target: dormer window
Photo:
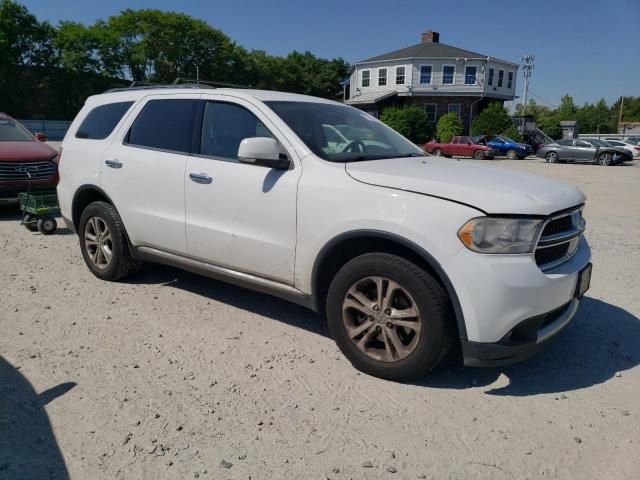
[
  {"x": 399, "y": 75},
  {"x": 366, "y": 78},
  {"x": 382, "y": 77}
]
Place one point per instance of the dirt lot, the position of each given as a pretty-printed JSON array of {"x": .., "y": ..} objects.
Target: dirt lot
[{"x": 170, "y": 375}]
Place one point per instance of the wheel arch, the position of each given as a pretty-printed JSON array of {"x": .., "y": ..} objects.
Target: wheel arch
[
  {"x": 346, "y": 246},
  {"x": 83, "y": 196}
]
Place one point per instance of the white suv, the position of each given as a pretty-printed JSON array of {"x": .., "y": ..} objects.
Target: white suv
[{"x": 323, "y": 205}]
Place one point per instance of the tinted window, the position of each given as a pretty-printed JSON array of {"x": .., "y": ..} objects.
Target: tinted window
[
  {"x": 101, "y": 121},
  {"x": 566, "y": 143},
  {"x": 580, "y": 143},
  {"x": 224, "y": 126},
  {"x": 165, "y": 125}
]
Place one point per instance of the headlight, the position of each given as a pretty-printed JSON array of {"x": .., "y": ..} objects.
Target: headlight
[{"x": 500, "y": 235}]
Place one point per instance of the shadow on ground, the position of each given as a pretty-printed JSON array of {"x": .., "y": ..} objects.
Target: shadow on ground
[
  {"x": 28, "y": 447},
  {"x": 601, "y": 341}
]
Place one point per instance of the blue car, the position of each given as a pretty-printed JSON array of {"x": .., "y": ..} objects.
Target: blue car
[{"x": 510, "y": 148}]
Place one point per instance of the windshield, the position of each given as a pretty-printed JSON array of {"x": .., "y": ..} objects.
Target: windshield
[
  {"x": 339, "y": 133},
  {"x": 505, "y": 139},
  {"x": 11, "y": 131}
]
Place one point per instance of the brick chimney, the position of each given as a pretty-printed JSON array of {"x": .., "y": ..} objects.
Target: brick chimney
[{"x": 430, "y": 36}]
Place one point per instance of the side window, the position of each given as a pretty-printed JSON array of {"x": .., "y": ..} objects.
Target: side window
[
  {"x": 164, "y": 125},
  {"x": 565, "y": 143},
  {"x": 224, "y": 126},
  {"x": 580, "y": 143},
  {"x": 101, "y": 121}
]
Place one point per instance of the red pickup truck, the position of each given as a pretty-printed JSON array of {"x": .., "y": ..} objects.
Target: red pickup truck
[{"x": 460, "y": 147}]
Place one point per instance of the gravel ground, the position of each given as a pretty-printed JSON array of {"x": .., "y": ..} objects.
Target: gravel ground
[{"x": 170, "y": 375}]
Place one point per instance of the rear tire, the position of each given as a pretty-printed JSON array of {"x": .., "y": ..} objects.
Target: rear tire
[
  {"x": 551, "y": 157},
  {"x": 411, "y": 308},
  {"x": 512, "y": 154},
  {"x": 104, "y": 244}
]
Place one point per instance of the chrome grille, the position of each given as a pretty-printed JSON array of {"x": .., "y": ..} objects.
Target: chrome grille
[
  {"x": 559, "y": 239},
  {"x": 20, "y": 171}
]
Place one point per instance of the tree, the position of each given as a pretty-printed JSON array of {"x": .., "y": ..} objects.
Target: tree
[
  {"x": 412, "y": 122},
  {"x": 449, "y": 126},
  {"x": 512, "y": 133},
  {"x": 493, "y": 120},
  {"x": 567, "y": 109}
]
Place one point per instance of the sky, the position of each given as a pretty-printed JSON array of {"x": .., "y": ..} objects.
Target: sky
[{"x": 587, "y": 48}]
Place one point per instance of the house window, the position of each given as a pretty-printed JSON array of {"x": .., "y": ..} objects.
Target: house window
[
  {"x": 510, "y": 80},
  {"x": 382, "y": 77},
  {"x": 366, "y": 78},
  {"x": 399, "y": 75},
  {"x": 490, "y": 79},
  {"x": 500, "y": 77},
  {"x": 454, "y": 108},
  {"x": 425, "y": 74},
  {"x": 470, "y": 75},
  {"x": 431, "y": 109},
  {"x": 448, "y": 72}
]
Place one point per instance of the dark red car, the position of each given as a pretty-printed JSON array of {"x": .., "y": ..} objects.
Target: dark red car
[{"x": 23, "y": 155}]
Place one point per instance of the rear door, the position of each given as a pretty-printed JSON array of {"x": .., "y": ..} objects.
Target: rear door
[
  {"x": 565, "y": 151},
  {"x": 583, "y": 151},
  {"x": 143, "y": 170}
]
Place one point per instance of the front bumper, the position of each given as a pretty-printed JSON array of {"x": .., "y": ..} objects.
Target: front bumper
[
  {"x": 525, "y": 340},
  {"x": 497, "y": 293},
  {"x": 9, "y": 193}
]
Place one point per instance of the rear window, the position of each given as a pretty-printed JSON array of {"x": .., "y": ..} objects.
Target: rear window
[
  {"x": 164, "y": 125},
  {"x": 101, "y": 121}
]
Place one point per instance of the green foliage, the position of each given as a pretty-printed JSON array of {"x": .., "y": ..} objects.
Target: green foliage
[
  {"x": 512, "y": 133},
  {"x": 449, "y": 126},
  {"x": 493, "y": 120},
  {"x": 48, "y": 72},
  {"x": 412, "y": 122}
]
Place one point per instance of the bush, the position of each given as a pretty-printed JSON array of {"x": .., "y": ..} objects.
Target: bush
[
  {"x": 412, "y": 122},
  {"x": 513, "y": 134},
  {"x": 449, "y": 126},
  {"x": 493, "y": 120}
]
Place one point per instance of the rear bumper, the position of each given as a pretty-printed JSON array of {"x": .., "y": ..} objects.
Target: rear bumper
[{"x": 523, "y": 341}]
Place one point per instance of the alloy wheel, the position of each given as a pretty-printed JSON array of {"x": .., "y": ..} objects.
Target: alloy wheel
[
  {"x": 98, "y": 242},
  {"x": 382, "y": 319}
]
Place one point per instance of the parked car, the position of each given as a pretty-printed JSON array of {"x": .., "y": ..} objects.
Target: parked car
[
  {"x": 583, "y": 151},
  {"x": 631, "y": 147},
  {"x": 405, "y": 253},
  {"x": 24, "y": 156},
  {"x": 510, "y": 148},
  {"x": 460, "y": 147}
]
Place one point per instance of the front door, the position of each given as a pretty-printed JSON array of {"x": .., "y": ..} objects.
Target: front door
[
  {"x": 583, "y": 151},
  {"x": 143, "y": 171},
  {"x": 238, "y": 215}
]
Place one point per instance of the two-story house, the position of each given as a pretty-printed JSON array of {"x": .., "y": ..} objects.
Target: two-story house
[{"x": 437, "y": 77}]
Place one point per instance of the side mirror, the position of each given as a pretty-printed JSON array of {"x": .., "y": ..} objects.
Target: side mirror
[
  {"x": 41, "y": 136},
  {"x": 263, "y": 151}
]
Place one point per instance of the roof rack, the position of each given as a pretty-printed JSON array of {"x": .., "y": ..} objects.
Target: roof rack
[{"x": 177, "y": 83}]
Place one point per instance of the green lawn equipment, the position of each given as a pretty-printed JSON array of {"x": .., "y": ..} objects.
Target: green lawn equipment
[{"x": 38, "y": 210}]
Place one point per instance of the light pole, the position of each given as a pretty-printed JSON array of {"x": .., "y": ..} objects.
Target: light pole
[{"x": 527, "y": 68}]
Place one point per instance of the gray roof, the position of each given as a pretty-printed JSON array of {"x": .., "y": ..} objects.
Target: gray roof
[
  {"x": 427, "y": 50},
  {"x": 371, "y": 97}
]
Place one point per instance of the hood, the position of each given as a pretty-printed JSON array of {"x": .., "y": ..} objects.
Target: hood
[
  {"x": 490, "y": 189},
  {"x": 24, "y": 151}
]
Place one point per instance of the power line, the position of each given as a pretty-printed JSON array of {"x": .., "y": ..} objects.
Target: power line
[{"x": 543, "y": 100}]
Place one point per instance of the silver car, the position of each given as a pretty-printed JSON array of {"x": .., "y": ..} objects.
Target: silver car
[{"x": 583, "y": 151}]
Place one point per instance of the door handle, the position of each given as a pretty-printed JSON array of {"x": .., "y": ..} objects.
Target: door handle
[
  {"x": 200, "y": 178},
  {"x": 113, "y": 163}
]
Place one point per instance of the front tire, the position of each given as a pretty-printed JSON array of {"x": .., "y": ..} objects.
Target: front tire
[
  {"x": 104, "y": 244},
  {"x": 47, "y": 225},
  {"x": 478, "y": 155},
  {"x": 390, "y": 318},
  {"x": 605, "y": 159}
]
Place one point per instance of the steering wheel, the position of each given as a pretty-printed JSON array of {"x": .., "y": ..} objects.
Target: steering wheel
[{"x": 351, "y": 147}]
